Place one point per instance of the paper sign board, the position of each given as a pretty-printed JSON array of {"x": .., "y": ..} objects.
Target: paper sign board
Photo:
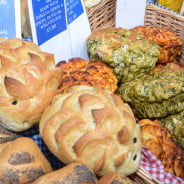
[
  {"x": 52, "y": 26},
  {"x": 10, "y": 20},
  {"x": 130, "y": 13},
  {"x": 78, "y": 27}
]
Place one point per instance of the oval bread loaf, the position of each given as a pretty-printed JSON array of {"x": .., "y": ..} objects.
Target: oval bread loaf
[
  {"x": 94, "y": 126},
  {"x": 74, "y": 173},
  {"x": 21, "y": 160}
]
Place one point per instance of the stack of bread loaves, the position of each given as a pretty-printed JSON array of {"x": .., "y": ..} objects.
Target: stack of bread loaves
[{"x": 88, "y": 127}]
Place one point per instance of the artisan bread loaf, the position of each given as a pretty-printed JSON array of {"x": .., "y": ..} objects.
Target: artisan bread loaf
[
  {"x": 94, "y": 126},
  {"x": 115, "y": 178},
  {"x": 74, "y": 173},
  {"x": 21, "y": 160},
  {"x": 28, "y": 82},
  {"x": 160, "y": 141},
  {"x": 78, "y": 71}
]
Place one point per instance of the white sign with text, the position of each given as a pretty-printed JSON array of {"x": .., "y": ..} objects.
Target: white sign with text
[{"x": 52, "y": 27}]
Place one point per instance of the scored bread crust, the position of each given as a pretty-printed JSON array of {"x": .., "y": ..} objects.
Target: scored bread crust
[
  {"x": 94, "y": 126},
  {"x": 28, "y": 82}
]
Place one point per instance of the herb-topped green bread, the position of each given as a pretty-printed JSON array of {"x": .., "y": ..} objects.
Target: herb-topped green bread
[
  {"x": 127, "y": 51},
  {"x": 175, "y": 124},
  {"x": 158, "y": 93}
]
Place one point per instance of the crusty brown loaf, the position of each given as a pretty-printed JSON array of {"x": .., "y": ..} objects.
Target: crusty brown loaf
[
  {"x": 160, "y": 141},
  {"x": 95, "y": 127},
  {"x": 78, "y": 71},
  {"x": 28, "y": 82},
  {"x": 115, "y": 178},
  {"x": 21, "y": 161},
  {"x": 74, "y": 173}
]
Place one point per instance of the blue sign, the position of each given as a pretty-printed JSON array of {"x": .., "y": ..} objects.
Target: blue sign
[
  {"x": 74, "y": 9},
  {"x": 7, "y": 19},
  {"x": 49, "y": 17}
]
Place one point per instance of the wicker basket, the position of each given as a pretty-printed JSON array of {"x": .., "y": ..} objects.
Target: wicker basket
[
  {"x": 103, "y": 16},
  {"x": 156, "y": 16}
]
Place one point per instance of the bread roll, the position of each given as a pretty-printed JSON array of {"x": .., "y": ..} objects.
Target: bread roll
[
  {"x": 28, "y": 82},
  {"x": 74, "y": 173},
  {"x": 21, "y": 161},
  {"x": 94, "y": 126},
  {"x": 115, "y": 178}
]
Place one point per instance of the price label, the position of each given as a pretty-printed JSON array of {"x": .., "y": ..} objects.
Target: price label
[
  {"x": 49, "y": 17},
  {"x": 10, "y": 25},
  {"x": 57, "y": 25},
  {"x": 74, "y": 10}
]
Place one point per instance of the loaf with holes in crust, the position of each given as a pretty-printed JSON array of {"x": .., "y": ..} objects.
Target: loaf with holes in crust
[
  {"x": 28, "y": 82},
  {"x": 94, "y": 126}
]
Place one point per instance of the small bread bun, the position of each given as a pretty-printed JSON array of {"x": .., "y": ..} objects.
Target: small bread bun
[
  {"x": 74, "y": 173},
  {"x": 21, "y": 161},
  {"x": 28, "y": 82},
  {"x": 115, "y": 178}
]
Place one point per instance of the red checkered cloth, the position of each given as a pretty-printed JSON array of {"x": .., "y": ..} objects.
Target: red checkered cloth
[{"x": 153, "y": 165}]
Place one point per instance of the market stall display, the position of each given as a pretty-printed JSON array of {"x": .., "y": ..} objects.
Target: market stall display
[{"x": 90, "y": 123}]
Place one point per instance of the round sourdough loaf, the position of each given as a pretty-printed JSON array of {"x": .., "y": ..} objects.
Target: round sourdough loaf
[
  {"x": 21, "y": 160},
  {"x": 28, "y": 82},
  {"x": 94, "y": 126},
  {"x": 74, "y": 173}
]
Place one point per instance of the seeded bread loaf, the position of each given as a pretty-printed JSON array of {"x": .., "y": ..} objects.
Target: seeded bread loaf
[
  {"x": 74, "y": 173},
  {"x": 20, "y": 158}
]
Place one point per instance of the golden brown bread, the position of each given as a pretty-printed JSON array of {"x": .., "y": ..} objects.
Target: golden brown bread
[
  {"x": 78, "y": 71},
  {"x": 115, "y": 178},
  {"x": 94, "y": 126},
  {"x": 28, "y": 82},
  {"x": 21, "y": 159},
  {"x": 170, "y": 44},
  {"x": 74, "y": 173},
  {"x": 160, "y": 141}
]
